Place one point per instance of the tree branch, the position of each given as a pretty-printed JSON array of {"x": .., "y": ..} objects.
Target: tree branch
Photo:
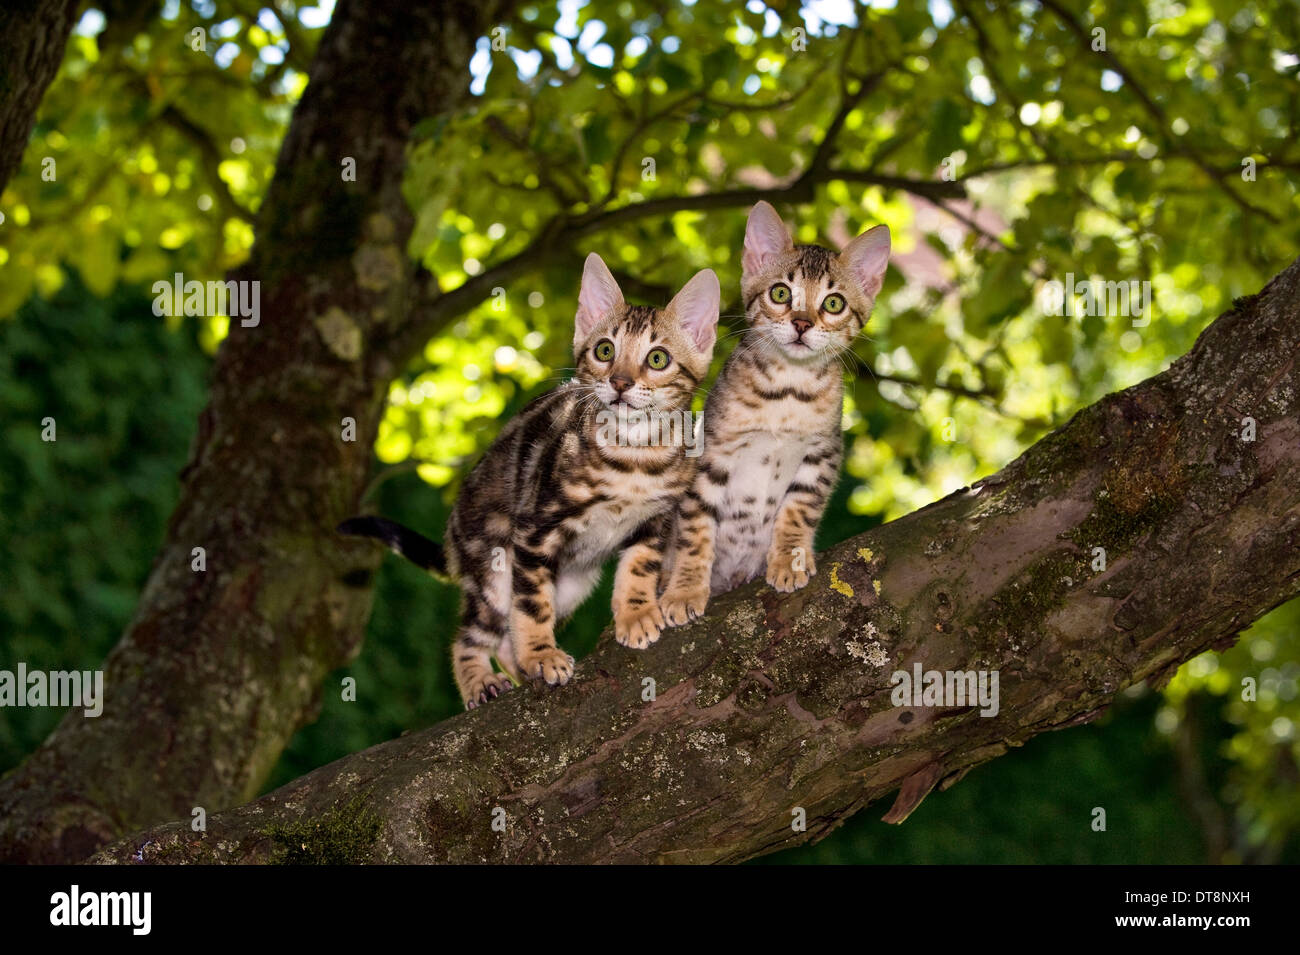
[
  {"x": 31, "y": 49},
  {"x": 210, "y": 157},
  {"x": 705, "y": 746}
]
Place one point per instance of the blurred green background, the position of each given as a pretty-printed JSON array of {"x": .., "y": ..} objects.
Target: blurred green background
[{"x": 1170, "y": 156}]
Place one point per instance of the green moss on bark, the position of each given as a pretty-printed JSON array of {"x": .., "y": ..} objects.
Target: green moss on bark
[
  {"x": 1115, "y": 528},
  {"x": 345, "y": 835},
  {"x": 1018, "y": 610}
]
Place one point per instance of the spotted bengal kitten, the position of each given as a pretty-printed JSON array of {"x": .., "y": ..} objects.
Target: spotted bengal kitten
[
  {"x": 554, "y": 496},
  {"x": 772, "y": 434}
]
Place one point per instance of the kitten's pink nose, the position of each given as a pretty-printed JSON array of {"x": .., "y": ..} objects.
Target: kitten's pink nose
[
  {"x": 620, "y": 383},
  {"x": 801, "y": 325}
]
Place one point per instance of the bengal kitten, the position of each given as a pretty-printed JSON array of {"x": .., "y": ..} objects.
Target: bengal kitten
[
  {"x": 559, "y": 491},
  {"x": 772, "y": 433}
]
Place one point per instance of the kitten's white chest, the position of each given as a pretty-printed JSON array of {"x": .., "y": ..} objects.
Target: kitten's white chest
[
  {"x": 599, "y": 531},
  {"x": 759, "y": 474},
  {"x": 760, "y": 471}
]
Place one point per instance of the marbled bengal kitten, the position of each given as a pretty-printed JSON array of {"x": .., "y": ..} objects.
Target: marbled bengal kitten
[
  {"x": 772, "y": 433},
  {"x": 553, "y": 496}
]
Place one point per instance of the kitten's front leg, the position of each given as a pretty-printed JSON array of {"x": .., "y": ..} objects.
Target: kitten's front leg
[
  {"x": 532, "y": 619},
  {"x": 637, "y": 619},
  {"x": 687, "y": 592},
  {"x": 790, "y": 560}
]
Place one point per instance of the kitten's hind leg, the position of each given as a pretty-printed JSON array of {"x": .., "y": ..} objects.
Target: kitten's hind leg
[
  {"x": 472, "y": 664},
  {"x": 482, "y": 630}
]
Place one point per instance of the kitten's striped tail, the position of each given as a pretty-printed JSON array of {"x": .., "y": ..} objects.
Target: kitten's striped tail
[{"x": 402, "y": 541}]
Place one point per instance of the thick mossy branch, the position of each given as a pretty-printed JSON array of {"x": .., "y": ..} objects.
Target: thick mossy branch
[{"x": 704, "y": 747}]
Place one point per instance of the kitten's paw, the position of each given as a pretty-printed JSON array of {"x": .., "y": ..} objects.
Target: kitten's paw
[
  {"x": 487, "y": 688},
  {"x": 551, "y": 665},
  {"x": 683, "y": 604},
  {"x": 784, "y": 573},
  {"x": 638, "y": 627}
]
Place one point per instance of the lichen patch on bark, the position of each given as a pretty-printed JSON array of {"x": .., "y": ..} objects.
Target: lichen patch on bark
[{"x": 340, "y": 333}]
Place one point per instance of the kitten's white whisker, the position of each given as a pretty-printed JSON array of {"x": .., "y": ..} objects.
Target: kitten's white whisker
[
  {"x": 761, "y": 337},
  {"x": 842, "y": 350}
]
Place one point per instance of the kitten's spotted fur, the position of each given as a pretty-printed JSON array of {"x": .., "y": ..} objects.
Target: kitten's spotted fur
[
  {"x": 772, "y": 433},
  {"x": 550, "y": 500}
]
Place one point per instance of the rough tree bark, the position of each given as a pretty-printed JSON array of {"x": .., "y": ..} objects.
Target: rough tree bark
[
  {"x": 773, "y": 702},
  {"x": 33, "y": 36},
  {"x": 218, "y": 669}
]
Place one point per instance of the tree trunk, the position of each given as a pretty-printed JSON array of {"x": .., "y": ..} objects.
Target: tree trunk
[
  {"x": 219, "y": 667},
  {"x": 33, "y": 36},
  {"x": 772, "y": 703}
]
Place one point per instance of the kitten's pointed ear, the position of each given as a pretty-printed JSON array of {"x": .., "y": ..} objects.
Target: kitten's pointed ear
[
  {"x": 766, "y": 237},
  {"x": 598, "y": 296},
  {"x": 696, "y": 308},
  {"x": 866, "y": 257}
]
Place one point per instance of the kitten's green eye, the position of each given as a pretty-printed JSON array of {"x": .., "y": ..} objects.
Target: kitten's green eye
[
  {"x": 657, "y": 359},
  {"x": 604, "y": 350},
  {"x": 780, "y": 293},
  {"x": 833, "y": 303}
]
